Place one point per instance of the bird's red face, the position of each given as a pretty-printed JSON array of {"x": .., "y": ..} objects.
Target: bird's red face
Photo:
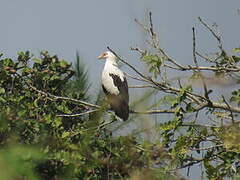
[
  {"x": 106, "y": 55},
  {"x": 103, "y": 56}
]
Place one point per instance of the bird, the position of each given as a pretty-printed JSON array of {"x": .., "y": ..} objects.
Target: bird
[{"x": 115, "y": 86}]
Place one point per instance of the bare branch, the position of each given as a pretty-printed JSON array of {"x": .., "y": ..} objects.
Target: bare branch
[
  {"x": 125, "y": 62},
  {"x": 196, "y": 63},
  {"x": 210, "y": 29},
  {"x": 218, "y": 37},
  {"x": 215, "y": 69},
  {"x": 142, "y": 52},
  {"x": 231, "y": 113},
  {"x": 142, "y": 25},
  {"x": 167, "y": 111},
  {"x": 140, "y": 86},
  {"x": 172, "y": 67},
  {"x": 205, "y": 57},
  {"x": 207, "y": 148},
  {"x": 151, "y": 25},
  {"x": 204, "y": 68},
  {"x": 78, "y": 114},
  {"x": 194, "y": 47},
  {"x": 86, "y": 104},
  {"x": 225, "y": 107},
  {"x": 183, "y": 68},
  {"x": 200, "y": 125},
  {"x": 136, "y": 78}
]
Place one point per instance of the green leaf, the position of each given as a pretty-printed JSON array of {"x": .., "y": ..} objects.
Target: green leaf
[
  {"x": 236, "y": 58},
  {"x": 236, "y": 50},
  {"x": 189, "y": 108},
  {"x": 63, "y": 63},
  {"x": 55, "y": 77},
  {"x": 37, "y": 61},
  {"x": 154, "y": 63},
  {"x": 2, "y": 91},
  {"x": 65, "y": 134},
  {"x": 57, "y": 122},
  {"x": 2, "y": 100}
]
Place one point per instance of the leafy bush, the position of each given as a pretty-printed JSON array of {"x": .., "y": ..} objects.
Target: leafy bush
[{"x": 37, "y": 142}]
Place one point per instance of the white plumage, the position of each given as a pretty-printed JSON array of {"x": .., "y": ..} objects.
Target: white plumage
[
  {"x": 110, "y": 68},
  {"x": 115, "y": 86}
]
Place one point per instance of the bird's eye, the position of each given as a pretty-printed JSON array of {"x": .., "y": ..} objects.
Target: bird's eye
[{"x": 105, "y": 54}]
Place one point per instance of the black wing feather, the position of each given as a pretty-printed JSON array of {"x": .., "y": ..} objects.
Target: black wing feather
[
  {"x": 119, "y": 103},
  {"x": 121, "y": 85}
]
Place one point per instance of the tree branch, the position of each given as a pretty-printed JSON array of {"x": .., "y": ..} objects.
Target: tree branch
[
  {"x": 231, "y": 113},
  {"x": 78, "y": 114},
  {"x": 196, "y": 63},
  {"x": 214, "y": 34},
  {"x": 167, "y": 111},
  {"x": 125, "y": 62},
  {"x": 86, "y": 104}
]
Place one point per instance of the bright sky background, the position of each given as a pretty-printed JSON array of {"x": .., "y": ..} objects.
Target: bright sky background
[{"x": 64, "y": 26}]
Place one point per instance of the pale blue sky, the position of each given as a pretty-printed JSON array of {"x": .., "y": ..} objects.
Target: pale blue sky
[{"x": 64, "y": 26}]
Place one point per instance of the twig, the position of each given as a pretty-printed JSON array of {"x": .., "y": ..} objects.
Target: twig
[
  {"x": 195, "y": 97},
  {"x": 142, "y": 25},
  {"x": 179, "y": 83},
  {"x": 140, "y": 86},
  {"x": 172, "y": 67},
  {"x": 167, "y": 111},
  {"x": 210, "y": 29},
  {"x": 194, "y": 47},
  {"x": 204, "y": 68},
  {"x": 206, "y": 148},
  {"x": 196, "y": 63},
  {"x": 231, "y": 113},
  {"x": 200, "y": 125},
  {"x": 205, "y": 57},
  {"x": 195, "y": 161},
  {"x": 125, "y": 62},
  {"x": 216, "y": 69},
  {"x": 136, "y": 78},
  {"x": 225, "y": 107},
  {"x": 214, "y": 34},
  {"x": 78, "y": 114},
  {"x": 183, "y": 68},
  {"x": 155, "y": 41},
  {"x": 86, "y": 104},
  {"x": 142, "y": 52},
  {"x": 151, "y": 25},
  {"x": 105, "y": 124},
  {"x": 188, "y": 169}
]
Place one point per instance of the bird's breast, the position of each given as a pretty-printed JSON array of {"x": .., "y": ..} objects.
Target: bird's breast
[{"x": 108, "y": 83}]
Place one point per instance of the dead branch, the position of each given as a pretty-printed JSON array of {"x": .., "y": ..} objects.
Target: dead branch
[{"x": 218, "y": 37}]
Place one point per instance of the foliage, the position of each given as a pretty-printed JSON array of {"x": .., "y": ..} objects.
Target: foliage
[
  {"x": 79, "y": 83},
  {"x": 204, "y": 127},
  {"x": 48, "y": 145},
  {"x": 154, "y": 63}
]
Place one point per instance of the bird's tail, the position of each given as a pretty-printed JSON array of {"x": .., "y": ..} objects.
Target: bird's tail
[{"x": 121, "y": 110}]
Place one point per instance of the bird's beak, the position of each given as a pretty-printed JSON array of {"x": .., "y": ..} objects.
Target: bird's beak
[{"x": 101, "y": 56}]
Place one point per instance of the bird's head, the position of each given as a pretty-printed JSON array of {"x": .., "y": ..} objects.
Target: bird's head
[{"x": 107, "y": 55}]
